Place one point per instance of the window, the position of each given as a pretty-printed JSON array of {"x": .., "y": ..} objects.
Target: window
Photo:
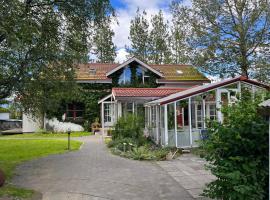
[
  {"x": 107, "y": 112},
  {"x": 212, "y": 111},
  {"x": 133, "y": 74},
  {"x": 199, "y": 118},
  {"x": 92, "y": 72},
  {"x": 153, "y": 117},
  {"x": 179, "y": 71},
  {"x": 125, "y": 77},
  {"x": 75, "y": 111}
]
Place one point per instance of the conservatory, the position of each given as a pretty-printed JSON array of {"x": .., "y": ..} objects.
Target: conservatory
[{"x": 180, "y": 119}]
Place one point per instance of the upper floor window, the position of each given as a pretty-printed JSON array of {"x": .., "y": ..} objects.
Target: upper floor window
[
  {"x": 125, "y": 77},
  {"x": 131, "y": 75}
]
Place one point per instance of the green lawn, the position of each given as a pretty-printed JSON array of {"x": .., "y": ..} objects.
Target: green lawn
[
  {"x": 13, "y": 152},
  {"x": 47, "y": 135}
]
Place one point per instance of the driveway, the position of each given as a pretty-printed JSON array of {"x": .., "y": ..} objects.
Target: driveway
[{"x": 93, "y": 173}]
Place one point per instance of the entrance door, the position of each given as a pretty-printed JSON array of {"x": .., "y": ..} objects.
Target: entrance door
[{"x": 108, "y": 114}]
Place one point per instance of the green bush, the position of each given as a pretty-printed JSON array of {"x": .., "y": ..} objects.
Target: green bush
[
  {"x": 129, "y": 126},
  {"x": 238, "y": 154},
  {"x": 119, "y": 143},
  {"x": 141, "y": 153}
]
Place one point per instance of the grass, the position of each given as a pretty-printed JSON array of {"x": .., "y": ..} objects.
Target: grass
[
  {"x": 47, "y": 135},
  {"x": 14, "y": 152}
]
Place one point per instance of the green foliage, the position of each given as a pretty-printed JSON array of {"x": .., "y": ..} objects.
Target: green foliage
[
  {"x": 104, "y": 49},
  {"x": 238, "y": 153},
  {"x": 159, "y": 44},
  {"x": 139, "y": 36},
  {"x": 150, "y": 45},
  {"x": 41, "y": 43},
  {"x": 4, "y": 110},
  {"x": 227, "y": 38},
  {"x": 129, "y": 126},
  {"x": 128, "y": 148}
]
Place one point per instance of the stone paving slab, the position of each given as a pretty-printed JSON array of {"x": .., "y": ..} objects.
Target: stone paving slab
[
  {"x": 93, "y": 173},
  {"x": 188, "y": 170}
]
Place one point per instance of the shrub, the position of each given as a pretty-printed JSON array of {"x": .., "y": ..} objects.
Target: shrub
[
  {"x": 119, "y": 143},
  {"x": 129, "y": 126},
  {"x": 238, "y": 154}
]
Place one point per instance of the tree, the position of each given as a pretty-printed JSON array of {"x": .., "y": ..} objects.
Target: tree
[
  {"x": 103, "y": 46},
  {"x": 139, "y": 36},
  {"x": 40, "y": 44},
  {"x": 179, "y": 33},
  {"x": 159, "y": 45},
  {"x": 237, "y": 153},
  {"x": 228, "y": 34}
]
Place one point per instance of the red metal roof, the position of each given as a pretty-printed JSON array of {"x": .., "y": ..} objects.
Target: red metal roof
[{"x": 145, "y": 92}]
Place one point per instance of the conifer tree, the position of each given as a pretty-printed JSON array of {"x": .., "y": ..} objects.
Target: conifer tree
[
  {"x": 139, "y": 36},
  {"x": 103, "y": 46},
  {"x": 159, "y": 40}
]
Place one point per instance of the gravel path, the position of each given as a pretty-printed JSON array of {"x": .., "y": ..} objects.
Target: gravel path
[{"x": 93, "y": 173}]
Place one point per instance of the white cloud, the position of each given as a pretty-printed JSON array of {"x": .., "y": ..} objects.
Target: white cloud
[
  {"x": 121, "y": 55},
  {"x": 124, "y": 16}
]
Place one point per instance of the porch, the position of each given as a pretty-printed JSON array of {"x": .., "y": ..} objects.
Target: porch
[
  {"x": 180, "y": 119},
  {"x": 123, "y": 101}
]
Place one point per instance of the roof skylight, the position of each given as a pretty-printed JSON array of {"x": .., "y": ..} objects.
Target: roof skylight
[{"x": 179, "y": 71}]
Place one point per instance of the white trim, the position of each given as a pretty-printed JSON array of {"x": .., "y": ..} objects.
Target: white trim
[
  {"x": 200, "y": 89},
  {"x": 166, "y": 124},
  {"x": 157, "y": 125},
  {"x": 187, "y": 82},
  {"x": 239, "y": 89},
  {"x": 190, "y": 122},
  {"x": 131, "y": 60},
  {"x": 102, "y": 118},
  {"x": 175, "y": 124},
  {"x": 93, "y": 81},
  {"x": 204, "y": 113},
  {"x": 103, "y": 99},
  {"x": 218, "y": 105}
]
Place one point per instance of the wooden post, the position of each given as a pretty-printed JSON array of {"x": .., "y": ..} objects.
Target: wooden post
[{"x": 189, "y": 121}]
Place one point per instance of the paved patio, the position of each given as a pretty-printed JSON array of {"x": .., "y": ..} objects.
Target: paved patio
[
  {"x": 188, "y": 170},
  {"x": 93, "y": 173}
]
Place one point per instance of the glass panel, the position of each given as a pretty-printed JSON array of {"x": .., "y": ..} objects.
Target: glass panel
[
  {"x": 182, "y": 124},
  {"x": 153, "y": 122},
  {"x": 107, "y": 112},
  {"x": 171, "y": 125}
]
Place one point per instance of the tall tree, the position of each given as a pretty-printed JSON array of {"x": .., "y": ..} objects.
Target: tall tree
[
  {"x": 228, "y": 34},
  {"x": 159, "y": 45},
  {"x": 103, "y": 46},
  {"x": 139, "y": 36},
  {"x": 179, "y": 35},
  {"x": 40, "y": 44}
]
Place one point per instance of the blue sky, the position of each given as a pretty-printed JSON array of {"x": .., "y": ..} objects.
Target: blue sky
[{"x": 125, "y": 11}]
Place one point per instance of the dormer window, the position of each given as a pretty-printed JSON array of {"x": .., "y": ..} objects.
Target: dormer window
[
  {"x": 179, "y": 72},
  {"x": 92, "y": 71}
]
